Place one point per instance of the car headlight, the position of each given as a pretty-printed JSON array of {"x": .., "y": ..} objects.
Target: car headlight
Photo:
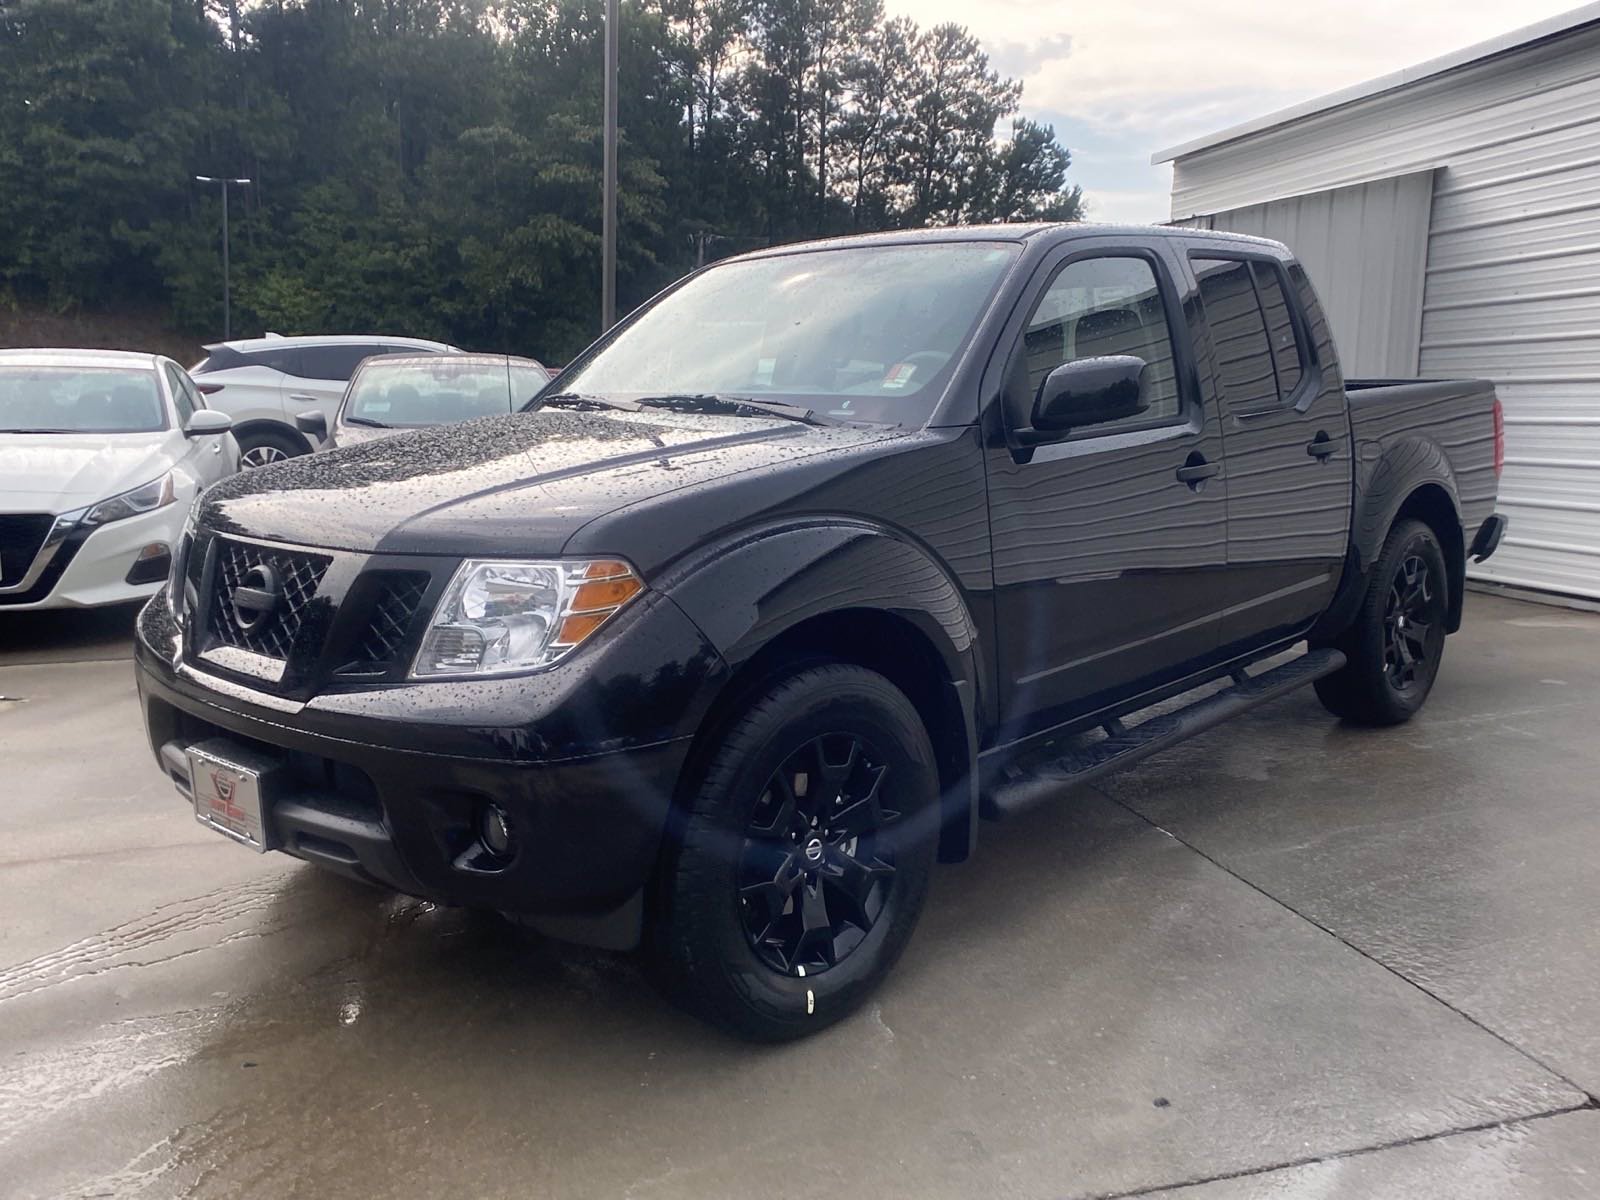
[
  {"x": 146, "y": 498},
  {"x": 497, "y": 618}
]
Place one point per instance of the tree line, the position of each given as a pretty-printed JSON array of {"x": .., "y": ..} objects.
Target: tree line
[{"x": 432, "y": 167}]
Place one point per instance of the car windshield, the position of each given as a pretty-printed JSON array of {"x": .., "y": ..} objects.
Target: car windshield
[
  {"x": 79, "y": 400},
  {"x": 868, "y": 332},
  {"x": 439, "y": 392}
]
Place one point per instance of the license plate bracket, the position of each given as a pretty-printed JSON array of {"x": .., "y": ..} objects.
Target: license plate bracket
[{"x": 231, "y": 786}]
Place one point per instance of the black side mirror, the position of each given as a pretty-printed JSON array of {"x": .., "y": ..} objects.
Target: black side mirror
[
  {"x": 205, "y": 421},
  {"x": 1087, "y": 391},
  {"x": 312, "y": 423}
]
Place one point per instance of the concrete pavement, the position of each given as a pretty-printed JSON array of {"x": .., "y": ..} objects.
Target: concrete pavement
[{"x": 1287, "y": 959}]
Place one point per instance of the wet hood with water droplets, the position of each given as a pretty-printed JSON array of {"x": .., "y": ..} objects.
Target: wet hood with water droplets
[{"x": 517, "y": 484}]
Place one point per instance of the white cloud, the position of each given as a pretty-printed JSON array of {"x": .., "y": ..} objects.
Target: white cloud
[{"x": 1129, "y": 79}]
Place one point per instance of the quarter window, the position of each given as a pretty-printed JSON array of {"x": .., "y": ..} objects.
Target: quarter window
[{"x": 1102, "y": 306}]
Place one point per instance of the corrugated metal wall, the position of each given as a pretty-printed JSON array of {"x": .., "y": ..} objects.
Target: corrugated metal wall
[
  {"x": 1512, "y": 282},
  {"x": 1364, "y": 248}
]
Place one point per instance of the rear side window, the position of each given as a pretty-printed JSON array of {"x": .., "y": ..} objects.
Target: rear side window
[
  {"x": 1286, "y": 355},
  {"x": 1260, "y": 359},
  {"x": 1103, "y": 306},
  {"x": 334, "y": 362}
]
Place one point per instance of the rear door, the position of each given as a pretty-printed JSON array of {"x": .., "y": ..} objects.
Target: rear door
[
  {"x": 1287, "y": 437},
  {"x": 1107, "y": 563},
  {"x": 318, "y": 376}
]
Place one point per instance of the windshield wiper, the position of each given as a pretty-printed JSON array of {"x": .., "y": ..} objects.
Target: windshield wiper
[
  {"x": 368, "y": 421},
  {"x": 41, "y": 431},
  {"x": 579, "y": 400},
  {"x": 710, "y": 401}
]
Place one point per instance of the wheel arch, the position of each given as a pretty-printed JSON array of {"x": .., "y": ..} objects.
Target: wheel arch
[{"x": 244, "y": 430}]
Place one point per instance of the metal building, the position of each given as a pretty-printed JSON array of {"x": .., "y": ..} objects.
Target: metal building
[{"x": 1449, "y": 215}]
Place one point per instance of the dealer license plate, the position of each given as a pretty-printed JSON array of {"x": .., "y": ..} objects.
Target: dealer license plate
[{"x": 227, "y": 783}]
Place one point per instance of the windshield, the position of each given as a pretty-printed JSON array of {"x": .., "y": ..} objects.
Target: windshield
[
  {"x": 79, "y": 400},
  {"x": 868, "y": 332},
  {"x": 439, "y": 392}
]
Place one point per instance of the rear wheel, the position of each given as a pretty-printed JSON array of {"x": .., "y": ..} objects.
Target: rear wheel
[
  {"x": 805, "y": 856},
  {"x": 1396, "y": 641},
  {"x": 263, "y": 447}
]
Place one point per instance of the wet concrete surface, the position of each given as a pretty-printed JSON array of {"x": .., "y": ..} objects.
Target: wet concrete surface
[{"x": 1288, "y": 959}]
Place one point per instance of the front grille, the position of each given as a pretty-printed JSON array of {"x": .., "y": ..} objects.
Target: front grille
[
  {"x": 21, "y": 535},
  {"x": 298, "y": 573},
  {"x": 382, "y": 643}
]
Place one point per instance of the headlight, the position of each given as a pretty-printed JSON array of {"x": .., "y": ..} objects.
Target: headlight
[
  {"x": 150, "y": 496},
  {"x": 497, "y": 618}
]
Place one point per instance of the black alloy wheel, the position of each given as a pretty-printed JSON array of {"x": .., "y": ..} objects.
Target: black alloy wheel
[
  {"x": 815, "y": 871},
  {"x": 1410, "y": 617}
]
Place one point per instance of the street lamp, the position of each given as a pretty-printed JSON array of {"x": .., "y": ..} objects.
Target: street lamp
[
  {"x": 227, "y": 315},
  {"x": 608, "y": 202}
]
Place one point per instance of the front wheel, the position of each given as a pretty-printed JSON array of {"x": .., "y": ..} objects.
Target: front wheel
[
  {"x": 263, "y": 447},
  {"x": 804, "y": 858},
  {"x": 1396, "y": 641}
]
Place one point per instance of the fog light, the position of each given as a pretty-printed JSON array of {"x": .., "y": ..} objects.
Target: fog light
[
  {"x": 152, "y": 565},
  {"x": 495, "y": 831}
]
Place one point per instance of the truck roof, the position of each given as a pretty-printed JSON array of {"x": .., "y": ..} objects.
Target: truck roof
[{"x": 1020, "y": 232}]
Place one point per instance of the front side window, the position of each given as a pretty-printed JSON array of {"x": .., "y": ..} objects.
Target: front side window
[
  {"x": 438, "y": 393},
  {"x": 80, "y": 400},
  {"x": 181, "y": 399},
  {"x": 871, "y": 332},
  {"x": 1103, "y": 306}
]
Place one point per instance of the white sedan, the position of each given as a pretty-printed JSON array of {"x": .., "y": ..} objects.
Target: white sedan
[{"x": 102, "y": 453}]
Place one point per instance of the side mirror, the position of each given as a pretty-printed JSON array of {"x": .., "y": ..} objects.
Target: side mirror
[
  {"x": 312, "y": 423},
  {"x": 206, "y": 421},
  {"x": 1088, "y": 391}
]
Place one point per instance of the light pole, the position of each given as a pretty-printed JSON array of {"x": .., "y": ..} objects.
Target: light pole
[
  {"x": 608, "y": 202},
  {"x": 227, "y": 300}
]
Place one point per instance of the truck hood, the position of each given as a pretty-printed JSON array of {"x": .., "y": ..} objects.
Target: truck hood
[
  {"x": 57, "y": 472},
  {"x": 517, "y": 484}
]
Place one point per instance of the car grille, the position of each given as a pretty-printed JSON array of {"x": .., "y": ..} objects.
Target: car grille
[
  {"x": 382, "y": 645},
  {"x": 21, "y": 535},
  {"x": 299, "y": 574}
]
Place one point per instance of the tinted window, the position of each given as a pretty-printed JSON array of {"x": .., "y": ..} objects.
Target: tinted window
[
  {"x": 80, "y": 400},
  {"x": 1286, "y": 354},
  {"x": 333, "y": 362},
  {"x": 181, "y": 398},
  {"x": 1101, "y": 306},
  {"x": 286, "y": 360},
  {"x": 1238, "y": 335}
]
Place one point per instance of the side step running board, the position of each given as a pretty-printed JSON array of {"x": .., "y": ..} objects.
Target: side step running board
[{"x": 1049, "y": 772}]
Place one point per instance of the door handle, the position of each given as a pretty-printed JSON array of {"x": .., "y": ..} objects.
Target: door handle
[
  {"x": 1198, "y": 472},
  {"x": 302, "y": 398},
  {"x": 1321, "y": 446}
]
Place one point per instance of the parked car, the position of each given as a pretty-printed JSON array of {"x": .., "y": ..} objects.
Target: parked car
[
  {"x": 263, "y": 383},
  {"x": 101, "y": 455},
  {"x": 402, "y": 391},
  {"x": 822, "y": 555}
]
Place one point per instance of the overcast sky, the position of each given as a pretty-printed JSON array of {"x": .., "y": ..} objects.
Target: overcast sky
[{"x": 1121, "y": 80}]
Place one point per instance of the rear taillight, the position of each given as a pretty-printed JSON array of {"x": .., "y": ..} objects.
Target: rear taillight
[
  {"x": 208, "y": 389},
  {"x": 1499, "y": 438}
]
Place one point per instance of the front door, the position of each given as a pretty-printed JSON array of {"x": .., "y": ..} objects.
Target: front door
[
  {"x": 1288, "y": 440},
  {"x": 1109, "y": 545}
]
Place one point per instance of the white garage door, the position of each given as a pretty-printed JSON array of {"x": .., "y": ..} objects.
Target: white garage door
[{"x": 1513, "y": 293}]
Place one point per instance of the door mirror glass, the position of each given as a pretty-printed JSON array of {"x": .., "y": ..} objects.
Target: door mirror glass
[
  {"x": 1092, "y": 391},
  {"x": 313, "y": 423},
  {"x": 207, "y": 421}
]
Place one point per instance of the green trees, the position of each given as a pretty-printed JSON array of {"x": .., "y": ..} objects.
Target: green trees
[{"x": 432, "y": 166}]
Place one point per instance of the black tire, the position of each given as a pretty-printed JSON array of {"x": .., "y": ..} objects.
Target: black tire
[
  {"x": 1395, "y": 644},
  {"x": 261, "y": 447},
  {"x": 729, "y": 900}
]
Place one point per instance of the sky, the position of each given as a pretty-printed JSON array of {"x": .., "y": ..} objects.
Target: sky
[{"x": 1119, "y": 81}]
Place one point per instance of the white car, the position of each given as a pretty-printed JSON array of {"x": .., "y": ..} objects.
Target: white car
[
  {"x": 264, "y": 383},
  {"x": 102, "y": 453}
]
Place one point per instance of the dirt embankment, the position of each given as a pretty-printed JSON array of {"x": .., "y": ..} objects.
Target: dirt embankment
[{"x": 96, "y": 331}]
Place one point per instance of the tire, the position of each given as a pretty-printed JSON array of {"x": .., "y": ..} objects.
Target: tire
[
  {"x": 262, "y": 447},
  {"x": 776, "y": 914},
  {"x": 1395, "y": 644}
]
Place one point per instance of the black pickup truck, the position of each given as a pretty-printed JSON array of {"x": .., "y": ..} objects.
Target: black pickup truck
[{"x": 816, "y": 559}]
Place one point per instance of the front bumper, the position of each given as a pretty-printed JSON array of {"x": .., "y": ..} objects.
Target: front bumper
[
  {"x": 385, "y": 786},
  {"x": 90, "y": 568}
]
